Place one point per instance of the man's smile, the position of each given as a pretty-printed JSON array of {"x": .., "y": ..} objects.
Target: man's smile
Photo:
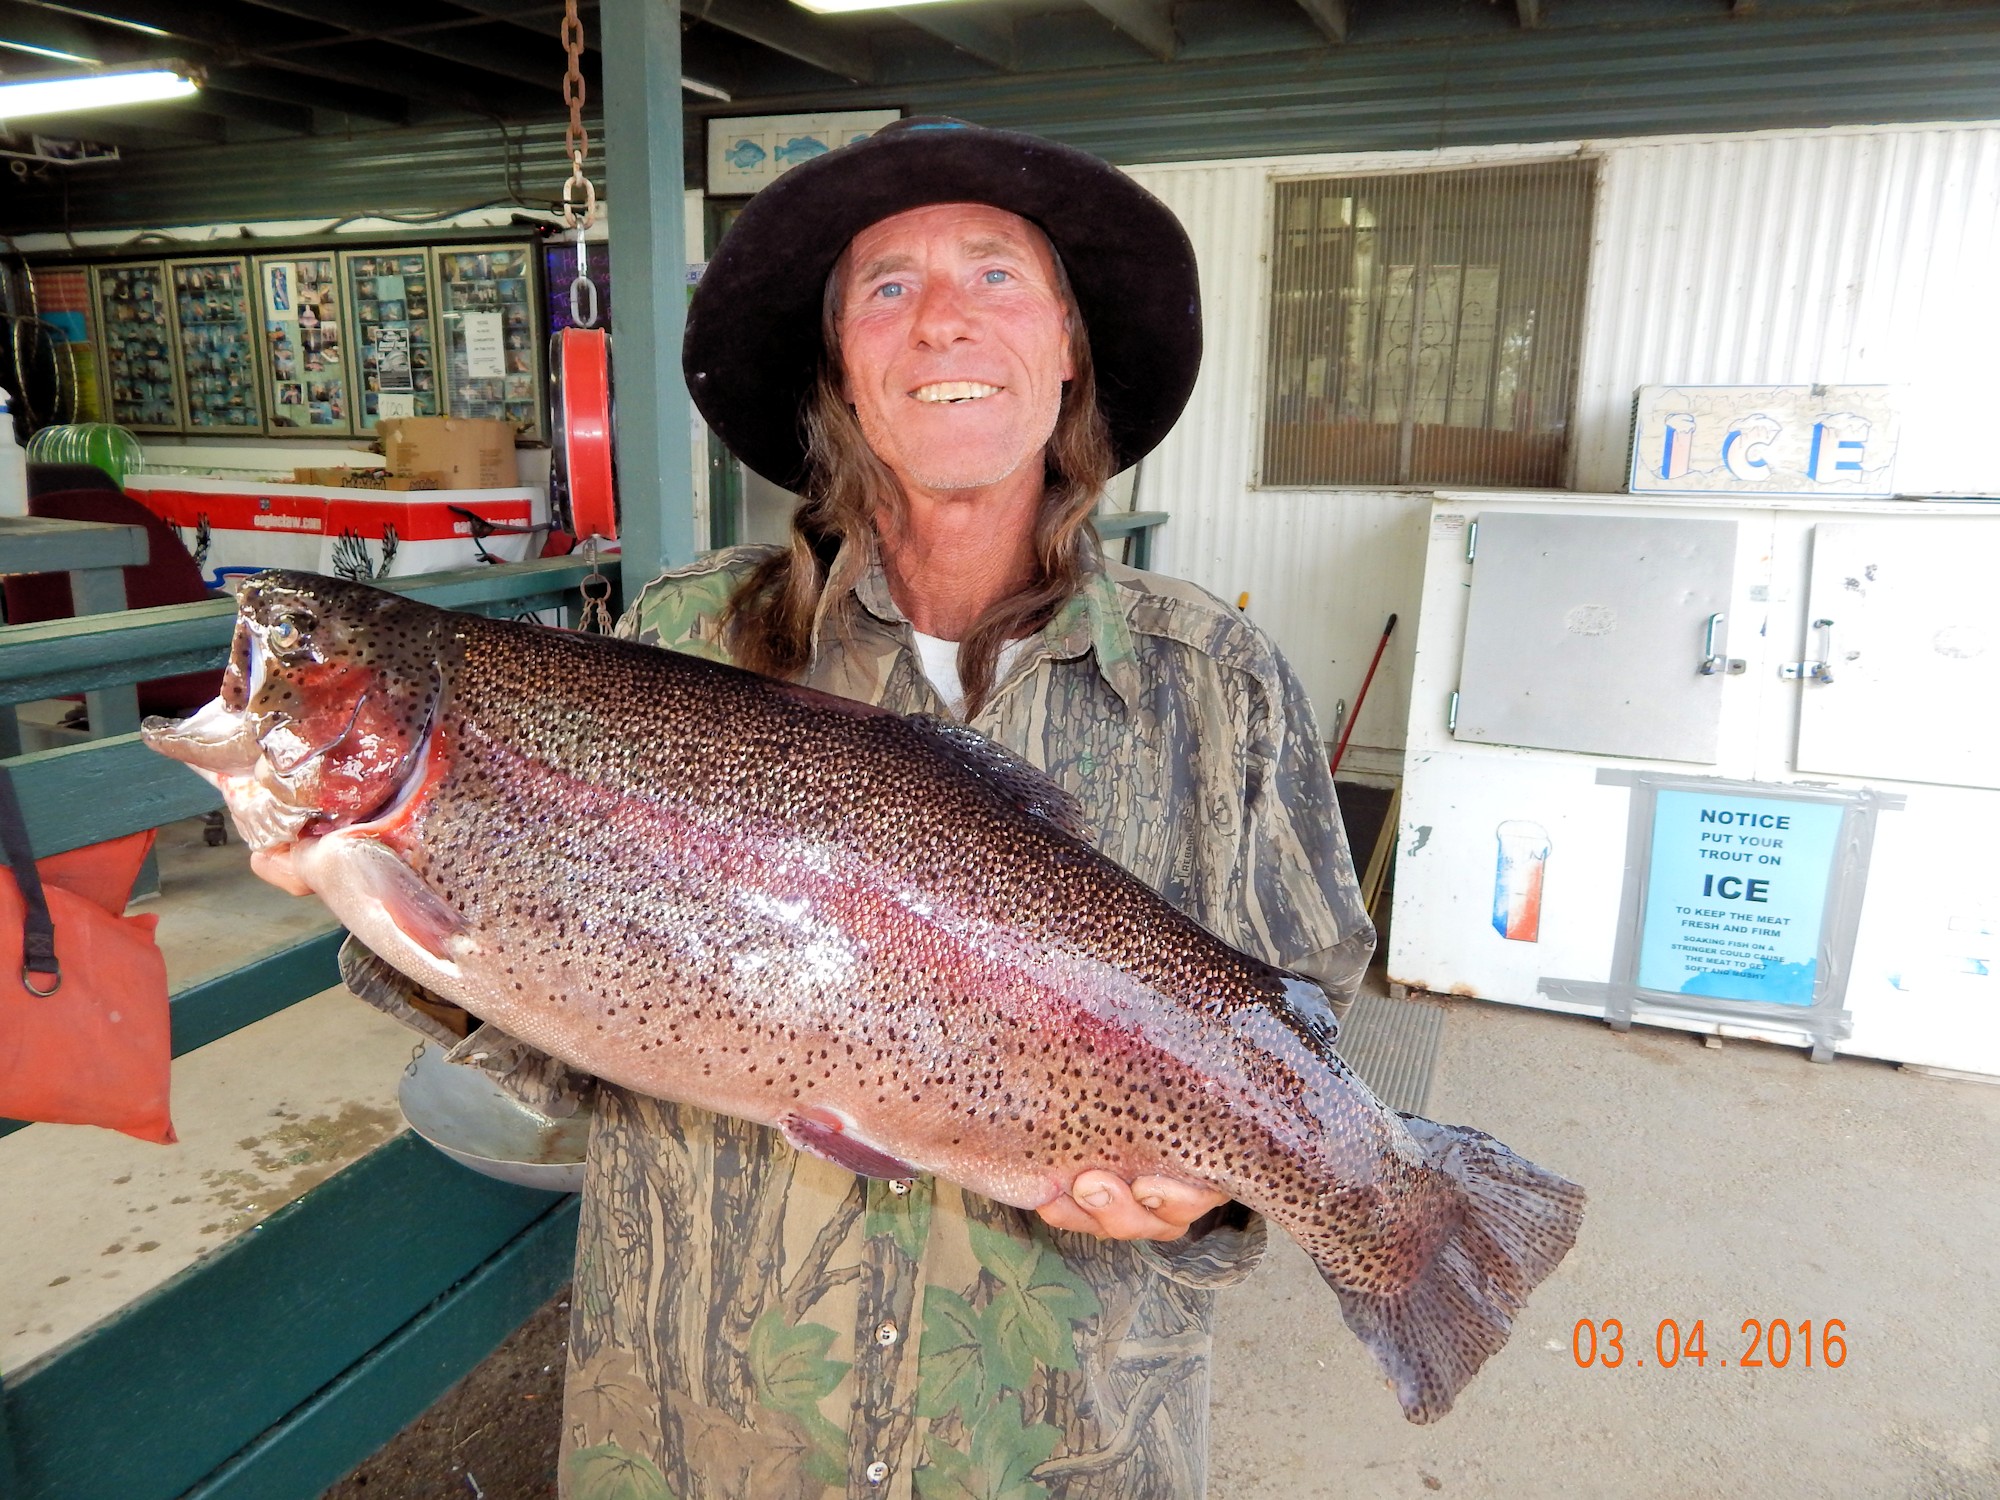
[{"x": 954, "y": 391}]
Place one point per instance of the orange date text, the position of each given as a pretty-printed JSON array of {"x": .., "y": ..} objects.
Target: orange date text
[{"x": 1775, "y": 1344}]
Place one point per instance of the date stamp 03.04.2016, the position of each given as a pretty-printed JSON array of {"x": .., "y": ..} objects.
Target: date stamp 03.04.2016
[{"x": 1776, "y": 1344}]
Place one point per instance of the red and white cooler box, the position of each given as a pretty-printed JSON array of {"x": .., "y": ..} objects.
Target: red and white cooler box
[{"x": 235, "y": 526}]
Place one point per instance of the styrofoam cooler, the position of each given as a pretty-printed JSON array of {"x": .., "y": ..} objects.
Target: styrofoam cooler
[
  {"x": 380, "y": 535},
  {"x": 234, "y": 527}
]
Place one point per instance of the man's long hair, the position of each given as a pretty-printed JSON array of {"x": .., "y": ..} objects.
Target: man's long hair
[{"x": 769, "y": 622}]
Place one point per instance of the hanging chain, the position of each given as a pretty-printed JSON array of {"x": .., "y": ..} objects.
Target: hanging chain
[
  {"x": 596, "y": 589},
  {"x": 576, "y": 140}
]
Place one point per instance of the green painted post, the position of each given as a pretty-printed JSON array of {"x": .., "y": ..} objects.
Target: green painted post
[{"x": 642, "y": 149}]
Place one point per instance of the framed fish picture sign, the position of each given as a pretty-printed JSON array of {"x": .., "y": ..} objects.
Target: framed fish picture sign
[{"x": 751, "y": 151}]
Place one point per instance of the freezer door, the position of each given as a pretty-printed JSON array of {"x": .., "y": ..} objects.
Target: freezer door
[
  {"x": 1589, "y": 633},
  {"x": 1900, "y": 677}
]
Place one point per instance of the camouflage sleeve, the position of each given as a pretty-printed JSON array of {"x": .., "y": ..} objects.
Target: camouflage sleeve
[
  {"x": 683, "y": 608},
  {"x": 1301, "y": 875},
  {"x": 1220, "y": 1249}
]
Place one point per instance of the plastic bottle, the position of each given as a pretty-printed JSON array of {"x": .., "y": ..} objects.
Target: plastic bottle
[{"x": 13, "y": 466}]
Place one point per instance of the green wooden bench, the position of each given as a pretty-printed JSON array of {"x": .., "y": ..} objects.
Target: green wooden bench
[{"x": 276, "y": 1364}]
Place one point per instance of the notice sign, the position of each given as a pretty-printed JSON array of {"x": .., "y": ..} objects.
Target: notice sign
[
  {"x": 485, "y": 346},
  {"x": 1735, "y": 895}
]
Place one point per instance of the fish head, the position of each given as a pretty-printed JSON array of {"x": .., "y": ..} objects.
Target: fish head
[{"x": 328, "y": 702}]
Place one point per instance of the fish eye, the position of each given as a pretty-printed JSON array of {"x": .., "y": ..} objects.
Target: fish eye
[{"x": 288, "y": 634}]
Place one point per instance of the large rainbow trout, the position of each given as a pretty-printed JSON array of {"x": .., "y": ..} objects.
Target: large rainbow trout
[{"x": 884, "y": 936}]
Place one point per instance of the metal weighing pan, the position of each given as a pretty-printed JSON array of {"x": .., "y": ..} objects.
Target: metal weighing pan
[{"x": 471, "y": 1119}]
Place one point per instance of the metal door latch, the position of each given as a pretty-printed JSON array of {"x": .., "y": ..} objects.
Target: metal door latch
[
  {"x": 1813, "y": 671},
  {"x": 1712, "y": 661}
]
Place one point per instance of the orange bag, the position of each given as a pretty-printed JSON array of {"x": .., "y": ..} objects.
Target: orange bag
[{"x": 91, "y": 1043}]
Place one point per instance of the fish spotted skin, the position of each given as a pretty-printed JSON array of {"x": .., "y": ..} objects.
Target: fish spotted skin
[{"x": 881, "y": 935}]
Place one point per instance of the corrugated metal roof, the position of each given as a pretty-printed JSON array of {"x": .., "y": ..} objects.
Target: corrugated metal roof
[{"x": 1718, "y": 74}]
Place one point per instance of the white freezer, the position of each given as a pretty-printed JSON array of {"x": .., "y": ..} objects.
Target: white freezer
[{"x": 1856, "y": 663}]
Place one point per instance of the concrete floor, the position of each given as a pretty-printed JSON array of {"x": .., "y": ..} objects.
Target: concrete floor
[{"x": 1725, "y": 1184}]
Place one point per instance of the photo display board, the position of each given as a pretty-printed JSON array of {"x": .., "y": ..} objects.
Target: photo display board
[
  {"x": 217, "y": 345},
  {"x": 306, "y": 387},
  {"x": 136, "y": 335},
  {"x": 489, "y": 321},
  {"x": 395, "y": 343}
]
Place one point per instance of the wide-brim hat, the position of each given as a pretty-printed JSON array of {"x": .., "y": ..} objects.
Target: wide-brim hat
[{"x": 753, "y": 342}]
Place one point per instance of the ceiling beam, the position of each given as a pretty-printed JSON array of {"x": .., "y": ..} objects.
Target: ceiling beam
[
  {"x": 314, "y": 93},
  {"x": 989, "y": 39},
  {"x": 1147, "y": 22},
  {"x": 1330, "y": 16},
  {"x": 543, "y": 17},
  {"x": 292, "y": 117},
  {"x": 59, "y": 32},
  {"x": 238, "y": 43},
  {"x": 456, "y": 41},
  {"x": 787, "y": 29},
  {"x": 62, "y": 31}
]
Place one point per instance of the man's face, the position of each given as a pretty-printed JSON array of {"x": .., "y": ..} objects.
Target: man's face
[{"x": 953, "y": 343}]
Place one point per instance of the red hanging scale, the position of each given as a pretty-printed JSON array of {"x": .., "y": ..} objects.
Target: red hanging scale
[
  {"x": 580, "y": 376},
  {"x": 580, "y": 357}
]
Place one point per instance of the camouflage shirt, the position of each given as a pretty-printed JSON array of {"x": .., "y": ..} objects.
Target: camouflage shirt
[{"x": 754, "y": 1324}]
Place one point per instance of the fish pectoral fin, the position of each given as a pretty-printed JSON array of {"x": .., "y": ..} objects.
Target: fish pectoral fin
[
  {"x": 420, "y": 913},
  {"x": 821, "y": 1133}
]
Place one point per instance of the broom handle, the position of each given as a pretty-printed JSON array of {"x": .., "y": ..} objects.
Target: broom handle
[{"x": 1361, "y": 697}]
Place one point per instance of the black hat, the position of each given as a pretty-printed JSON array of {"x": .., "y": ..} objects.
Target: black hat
[{"x": 753, "y": 329}]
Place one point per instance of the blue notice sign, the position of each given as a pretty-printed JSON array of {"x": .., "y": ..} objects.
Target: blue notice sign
[{"x": 1735, "y": 895}]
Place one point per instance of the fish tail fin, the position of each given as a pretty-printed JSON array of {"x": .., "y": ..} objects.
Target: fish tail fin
[{"x": 1515, "y": 1222}]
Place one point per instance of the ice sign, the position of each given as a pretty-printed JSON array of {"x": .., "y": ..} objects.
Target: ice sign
[{"x": 1767, "y": 440}]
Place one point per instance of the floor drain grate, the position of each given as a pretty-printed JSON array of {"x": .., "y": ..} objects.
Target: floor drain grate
[{"x": 1393, "y": 1045}]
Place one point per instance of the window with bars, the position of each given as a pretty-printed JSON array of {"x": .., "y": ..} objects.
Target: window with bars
[{"x": 1425, "y": 326}]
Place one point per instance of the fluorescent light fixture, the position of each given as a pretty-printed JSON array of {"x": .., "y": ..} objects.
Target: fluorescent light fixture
[
  {"x": 842, "y": 7},
  {"x": 97, "y": 20},
  {"x": 707, "y": 90},
  {"x": 33, "y": 51},
  {"x": 142, "y": 83}
]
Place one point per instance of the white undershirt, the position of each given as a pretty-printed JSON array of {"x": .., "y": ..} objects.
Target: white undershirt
[{"x": 940, "y": 663}]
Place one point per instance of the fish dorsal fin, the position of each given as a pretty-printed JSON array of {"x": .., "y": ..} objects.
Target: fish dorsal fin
[{"x": 1023, "y": 785}]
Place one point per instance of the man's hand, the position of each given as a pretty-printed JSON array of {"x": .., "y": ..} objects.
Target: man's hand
[
  {"x": 1148, "y": 1208},
  {"x": 275, "y": 865}
]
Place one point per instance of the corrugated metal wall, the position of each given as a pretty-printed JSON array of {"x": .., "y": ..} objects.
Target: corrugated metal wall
[
  {"x": 1840, "y": 257},
  {"x": 1829, "y": 256}
]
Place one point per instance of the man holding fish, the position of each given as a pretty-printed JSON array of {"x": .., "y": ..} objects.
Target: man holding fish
[
  {"x": 917, "y": 306},
  {"x": 917, "y": 950}
]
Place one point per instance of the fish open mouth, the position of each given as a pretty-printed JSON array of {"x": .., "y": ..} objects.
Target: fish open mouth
[
  {"x": 351, "y": 777},
  {"x": 405, "y": 782}
]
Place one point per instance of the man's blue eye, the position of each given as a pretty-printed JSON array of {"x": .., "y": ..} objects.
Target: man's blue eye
[
  {"x": 996, "y": 277},
  {"x": 889, "y": 289}
]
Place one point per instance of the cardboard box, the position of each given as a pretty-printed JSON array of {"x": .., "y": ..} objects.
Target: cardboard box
[
  {"x": 367, "y": 479},
  {"x": 471, "y": 453}
]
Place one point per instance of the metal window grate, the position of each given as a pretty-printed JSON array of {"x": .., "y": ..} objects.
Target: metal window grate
[{"x": 1425, "y": 326}]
